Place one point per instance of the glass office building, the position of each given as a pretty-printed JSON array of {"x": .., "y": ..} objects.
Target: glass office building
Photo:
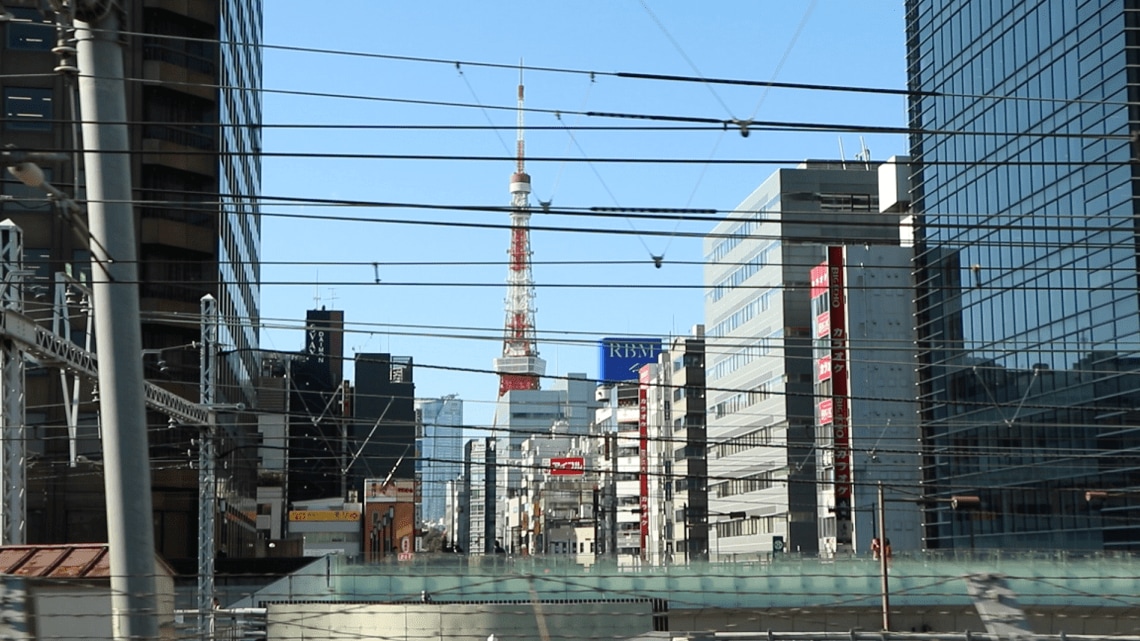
[
  {"x": 1028, "y": 308},
  {"x": 439, "y": 447},
  {"x": 193, "y": 81}
]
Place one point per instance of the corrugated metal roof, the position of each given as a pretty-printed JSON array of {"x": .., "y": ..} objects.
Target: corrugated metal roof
[{"x": 75, "y": 560}]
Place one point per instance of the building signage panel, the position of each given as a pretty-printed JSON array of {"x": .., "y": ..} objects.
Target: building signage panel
[
  {"x": 568, "y": 466},
  {"x": 316, "y": 343},
  {"x": 823, "y": 325},
  {"x": 823, "y": 369},
  {"x": 394, "y": 491},
  {"x": 324, "y": 515},
  {"x": 818, "y": 280},
  {"x": 841, "y": 411},
  {"x": 620, "y": 359},
  {"x": 643, "y": 452},
  {"x": 825, "y": 411}
]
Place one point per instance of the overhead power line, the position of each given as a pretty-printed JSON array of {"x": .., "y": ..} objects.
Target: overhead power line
[{"x": 514, "y": 67}]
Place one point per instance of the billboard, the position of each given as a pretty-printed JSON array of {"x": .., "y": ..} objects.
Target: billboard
[
  {"x": 324, "y": 515},
  {"x": 567, "y": 466},
  {"x": 620, "y": 359},
  {"x": 394, "y": 491}
]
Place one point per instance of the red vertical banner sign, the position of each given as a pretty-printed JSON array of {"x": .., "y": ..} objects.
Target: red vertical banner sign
[
  {"x": 841, "y": 410},
  {"x": 643, "y": 453}
]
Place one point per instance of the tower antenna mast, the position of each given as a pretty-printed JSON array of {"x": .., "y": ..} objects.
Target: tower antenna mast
[{"x": 519, "y": 367}]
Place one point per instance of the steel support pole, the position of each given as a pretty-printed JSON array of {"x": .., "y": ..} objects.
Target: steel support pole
[
  {"x": 12, "y": 391},
  {"x": 15, "y": 470},
  {"x": 130, "y": 529},
  {"x": 207, "y": 474},
  {"x": 883, "y": 560}
]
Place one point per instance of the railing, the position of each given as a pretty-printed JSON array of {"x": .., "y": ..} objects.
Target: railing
[{"x": 236, "y": 624}]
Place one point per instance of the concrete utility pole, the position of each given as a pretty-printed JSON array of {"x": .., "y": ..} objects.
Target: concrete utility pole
[{"x": 114, "y": 276}]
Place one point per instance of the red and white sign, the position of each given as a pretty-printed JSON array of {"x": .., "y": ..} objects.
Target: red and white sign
[
  {"x": 823, "y": 369},
  {"x": 643, "y": 451},
  {"x": 568, "y": 466},
  {"x": 825, "y": 411},
  {"x": 818, "y": 280},
  {"x": 823, "y": 325}
]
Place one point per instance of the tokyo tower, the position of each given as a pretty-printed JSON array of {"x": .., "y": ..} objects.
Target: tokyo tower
[{"x": 519, "y": 367}]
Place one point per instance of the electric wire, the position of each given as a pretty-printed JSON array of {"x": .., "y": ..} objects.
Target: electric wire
[
  {"x": 890, "y": 91},
  {"x": 588, "y": 589}
]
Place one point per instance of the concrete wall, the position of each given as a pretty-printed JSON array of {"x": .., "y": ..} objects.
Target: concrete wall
[
  {"x": 508, "y": 621},
  {"x": 953, "y": 618},
  {"x": 76, "y": 611}
]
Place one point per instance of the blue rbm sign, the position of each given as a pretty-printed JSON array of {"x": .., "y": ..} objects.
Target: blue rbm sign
[{"x": 619, "y": 359}]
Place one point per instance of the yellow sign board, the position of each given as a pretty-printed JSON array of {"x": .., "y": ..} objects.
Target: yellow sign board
[{"x": 324, "y": 515}]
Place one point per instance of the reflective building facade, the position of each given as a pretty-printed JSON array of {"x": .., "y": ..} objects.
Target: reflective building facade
[
  {"x": 439, "y": 452},
  {"x": 193, "y": 79},
  {"x": 1028, "y": 309}
]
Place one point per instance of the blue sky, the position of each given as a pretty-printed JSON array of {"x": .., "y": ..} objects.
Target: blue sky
[{"x": 837, "y": 42}]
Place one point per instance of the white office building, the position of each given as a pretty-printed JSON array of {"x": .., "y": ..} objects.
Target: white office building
[
  {"x": 762, "y": 454},
  {"x": 865, "y": 378}
]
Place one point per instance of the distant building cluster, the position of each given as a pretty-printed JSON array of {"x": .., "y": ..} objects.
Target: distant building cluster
[
  {"x": 936, "y": 351},
  {"x": 772, "y": 426}
]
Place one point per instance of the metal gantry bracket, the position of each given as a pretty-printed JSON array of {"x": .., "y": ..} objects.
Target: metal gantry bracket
[
  {"x": 22, "y": 338},
  {"x": 48, "y": 348}
]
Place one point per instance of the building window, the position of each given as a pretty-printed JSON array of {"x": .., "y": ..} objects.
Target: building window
[
  {"x": 847, "y": 202},
  {"x": 39, "y": 261},
  {"x": 30, "y": 30},
  {"x": 27, "y": 109}
]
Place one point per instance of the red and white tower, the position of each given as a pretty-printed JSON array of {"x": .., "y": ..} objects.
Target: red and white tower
[{"x": 519, "y": 367}]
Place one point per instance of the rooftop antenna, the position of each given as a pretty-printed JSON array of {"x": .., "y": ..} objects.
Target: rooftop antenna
[
  {"x": 864, "y": 153},
  {"x": 842, "y": 155}
]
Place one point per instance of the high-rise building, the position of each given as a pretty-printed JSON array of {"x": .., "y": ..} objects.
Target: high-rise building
[
  {"x": 194, "y": 108},
  {"x": 867, "y": 429},
  {"x": 1024, "y": 121},
  {"x": 620, "y": 419},
  {"x": 439, "y": 457},
  {"x": 682, "y": 371},
  {"x": 758, "y": 349},
  {"x": 318, "y": 411},
  {"x": 477, "y": 497},
  {"x": 381, "y": 442}
]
